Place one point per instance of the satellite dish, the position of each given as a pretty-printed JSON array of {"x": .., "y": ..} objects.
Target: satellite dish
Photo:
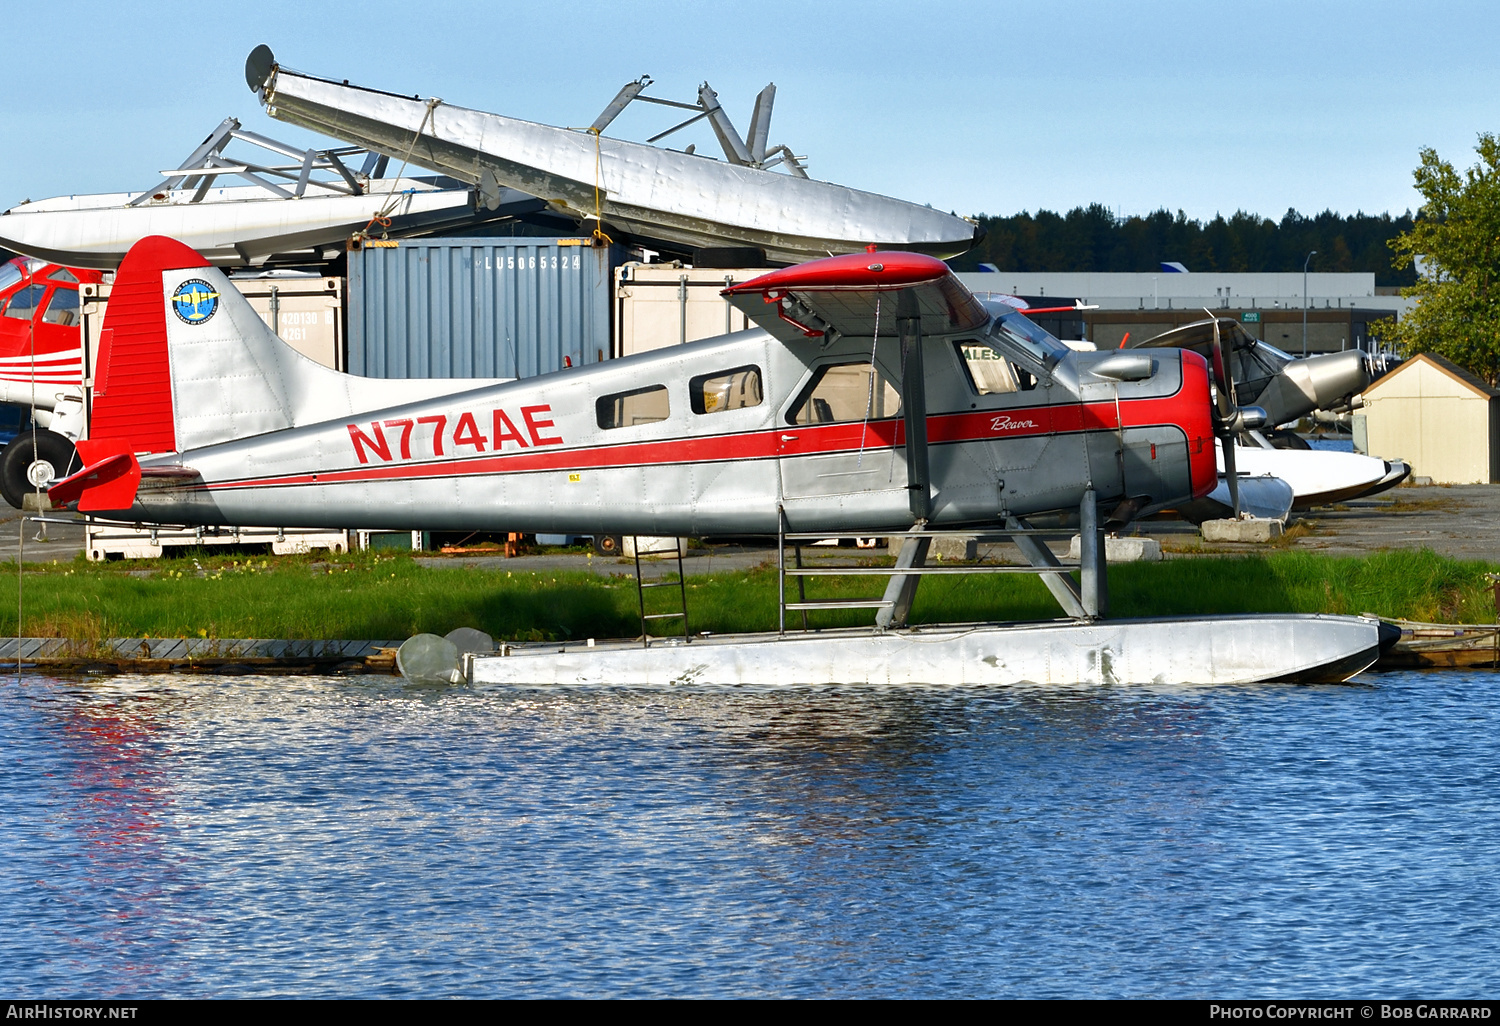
[{"x": 258, "y": 67}]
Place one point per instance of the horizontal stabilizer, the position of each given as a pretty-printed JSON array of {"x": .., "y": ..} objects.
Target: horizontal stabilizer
[
  {"x": 858, "y": 294},
  {"x": 109, "y": 483}
]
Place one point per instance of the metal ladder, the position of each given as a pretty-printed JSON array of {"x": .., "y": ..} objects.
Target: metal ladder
[{"x": 640, "y": 593}]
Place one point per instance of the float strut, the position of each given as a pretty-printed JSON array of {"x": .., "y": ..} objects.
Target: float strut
[
  {"x": 1093, "y": 576},
  {"x": 902, "y": 589},
  {"x": 1061, "y": 583}
]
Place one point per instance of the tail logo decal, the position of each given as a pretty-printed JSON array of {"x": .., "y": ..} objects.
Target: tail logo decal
[{"x": 195, "y": 301}]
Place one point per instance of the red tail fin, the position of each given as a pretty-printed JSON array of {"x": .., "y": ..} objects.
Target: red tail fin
[{"x": 133, "y": 386}]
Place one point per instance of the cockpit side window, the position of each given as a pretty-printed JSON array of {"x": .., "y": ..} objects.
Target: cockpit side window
[
  {"x": 24, "y": 303},
  {"x": 62, "y": 274},
  {"x": 989, "y": 372},
  {"x": 841, "y": 393},
  {"x": 62, "y": 308}
]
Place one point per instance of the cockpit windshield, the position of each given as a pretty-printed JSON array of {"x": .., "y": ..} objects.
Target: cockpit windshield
[
  {"x": 11, "y": 272},
  {"x": 1030, "y": 337}
]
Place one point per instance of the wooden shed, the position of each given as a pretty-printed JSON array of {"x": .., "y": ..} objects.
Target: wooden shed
[{"x": 1438, "y": 417}]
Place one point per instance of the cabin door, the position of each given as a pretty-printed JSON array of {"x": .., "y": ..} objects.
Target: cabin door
[{"x": 840, "y": 458}]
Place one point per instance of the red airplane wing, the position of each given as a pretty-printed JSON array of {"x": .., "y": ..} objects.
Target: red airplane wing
[{"x": 853, "y": 293}]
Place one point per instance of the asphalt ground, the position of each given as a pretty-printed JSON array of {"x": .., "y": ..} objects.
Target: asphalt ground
[
  {"x": 41, "y": 542},
  {"x": 1462, "y": 521}
]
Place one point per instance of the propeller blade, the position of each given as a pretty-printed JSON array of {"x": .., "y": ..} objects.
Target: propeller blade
[
  {"x": 1228, "y": 416},
  {"x": 1231, "y": 473},
  {"x": 1223, "y": 384}
]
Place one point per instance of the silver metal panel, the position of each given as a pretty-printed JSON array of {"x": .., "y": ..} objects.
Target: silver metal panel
[{"x": 479, "y": 308}]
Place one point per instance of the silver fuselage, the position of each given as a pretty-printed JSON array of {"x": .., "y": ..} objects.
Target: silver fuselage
[{"x": 434, "y": 464}]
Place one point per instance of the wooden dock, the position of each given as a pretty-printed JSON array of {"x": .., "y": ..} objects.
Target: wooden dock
[
  {"x": 1432, "y": 646},
  {"x": 226, "y": 656}
]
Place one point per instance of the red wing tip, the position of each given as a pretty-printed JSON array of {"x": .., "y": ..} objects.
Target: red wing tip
[{"x": 880, "y": 270}]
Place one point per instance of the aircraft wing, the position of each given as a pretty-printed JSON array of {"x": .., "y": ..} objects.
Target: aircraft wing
[
  {"x": 684, "y": 200},
  {"x": 856, "y": 294}
]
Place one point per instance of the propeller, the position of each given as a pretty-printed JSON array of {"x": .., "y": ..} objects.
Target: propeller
[{"x": 1229, "y": 418}]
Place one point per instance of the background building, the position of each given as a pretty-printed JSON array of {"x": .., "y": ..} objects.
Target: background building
[
  {"x": 1340, "y": 307},
  {"x": 1437, "y": 417}
]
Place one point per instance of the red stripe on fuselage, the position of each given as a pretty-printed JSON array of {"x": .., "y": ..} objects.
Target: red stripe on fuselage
[{"x": 1187, "y": 409}]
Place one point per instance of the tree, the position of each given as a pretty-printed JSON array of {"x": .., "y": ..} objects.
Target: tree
[
  {"x": 1457, "y": 237},
  {"x": 1093, "y": 238}
]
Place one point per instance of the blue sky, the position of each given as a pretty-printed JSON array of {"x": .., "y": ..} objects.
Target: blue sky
[{"x": 974, "y": 107}]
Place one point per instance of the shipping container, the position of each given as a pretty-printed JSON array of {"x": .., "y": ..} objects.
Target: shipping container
[
  {"x": 665, "y": 305},
  {"x": 306, "y": 311},
  {"x": 478, "y": 307}
]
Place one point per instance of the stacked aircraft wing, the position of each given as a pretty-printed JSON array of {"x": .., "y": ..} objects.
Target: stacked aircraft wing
[{"x": 682, "y": 199}]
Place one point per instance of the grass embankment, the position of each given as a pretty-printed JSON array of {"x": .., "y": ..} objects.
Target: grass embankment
[{"x": 371, "y": 596}]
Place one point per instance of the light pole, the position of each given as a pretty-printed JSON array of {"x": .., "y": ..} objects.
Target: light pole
[{"x": 1304, "y": 299}]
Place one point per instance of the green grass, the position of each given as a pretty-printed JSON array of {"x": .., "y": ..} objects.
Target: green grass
[{"x": 375, "y": 595}]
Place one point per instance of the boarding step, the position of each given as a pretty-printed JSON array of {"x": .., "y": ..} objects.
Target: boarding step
[
  {"x": 840, "y": 604},
  {"x": 891, "y": 571}
]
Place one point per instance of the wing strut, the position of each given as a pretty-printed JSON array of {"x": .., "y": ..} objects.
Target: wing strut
[
  {"x": 903, "y": 587},
  {"x": 914, "y": 401}
]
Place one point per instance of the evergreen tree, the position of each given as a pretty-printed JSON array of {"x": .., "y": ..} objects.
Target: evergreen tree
[
  {"x": 1092, "y": 238},
  {"x": 1457, "y": 237}
]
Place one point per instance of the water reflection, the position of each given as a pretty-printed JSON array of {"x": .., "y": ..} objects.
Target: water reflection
[
  {"x": 264, "y": 836},
  {"x": 109, "y": 872}
]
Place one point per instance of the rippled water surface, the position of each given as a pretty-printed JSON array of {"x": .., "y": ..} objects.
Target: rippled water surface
[{"x": 258, "y": 836}]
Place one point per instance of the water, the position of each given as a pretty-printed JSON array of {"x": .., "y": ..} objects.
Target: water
[
  {"x": 1332, "y": 444},
  {"x": 330, "y": 837}
]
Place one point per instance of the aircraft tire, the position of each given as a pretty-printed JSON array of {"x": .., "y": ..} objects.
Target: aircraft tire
[{"x": 55, "y": 458}]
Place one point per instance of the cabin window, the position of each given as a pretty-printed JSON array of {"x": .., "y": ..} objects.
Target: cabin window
[
  {"x": 62, "y": 274},
  {"x": 24, "y": 303},
  {"x": 10, "y": 273},
  {"x": 627, "y": 409},
  {"x": 726, "y": 390},
  {"x": 62, "y": 308},
  {"x": 845, "y": 392}
]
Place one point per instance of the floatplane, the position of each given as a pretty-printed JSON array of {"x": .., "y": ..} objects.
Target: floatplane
[{"x": 876, "y": 396}]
